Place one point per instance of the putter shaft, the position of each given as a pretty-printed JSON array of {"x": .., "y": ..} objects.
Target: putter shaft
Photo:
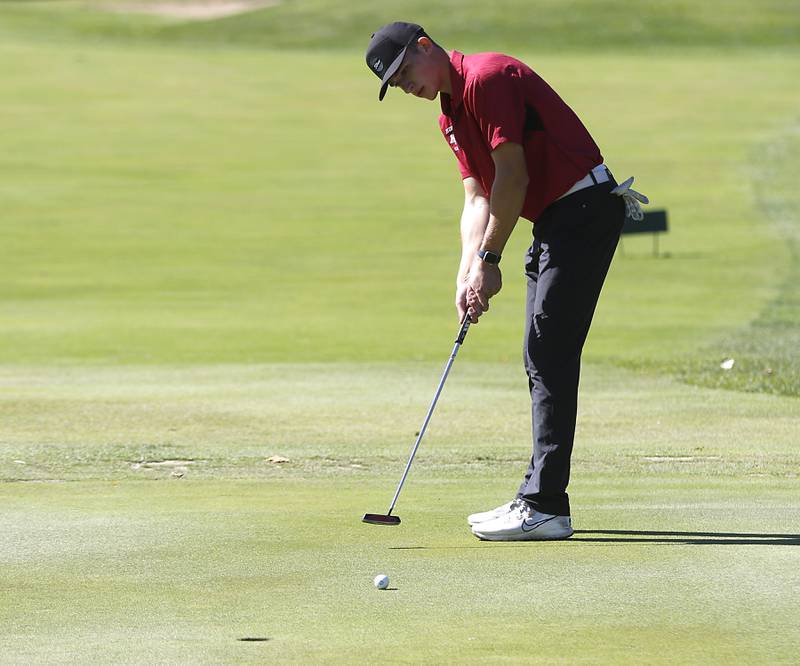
[{"x": 459, "y": 341}]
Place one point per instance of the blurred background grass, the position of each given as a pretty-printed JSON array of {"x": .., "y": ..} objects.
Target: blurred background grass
[
  {"x": 516, "y": 25},
  {"x": 169, "y": 201}
]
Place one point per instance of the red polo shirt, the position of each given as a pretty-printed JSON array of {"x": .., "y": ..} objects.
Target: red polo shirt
[{"x": 496, "y": 99}]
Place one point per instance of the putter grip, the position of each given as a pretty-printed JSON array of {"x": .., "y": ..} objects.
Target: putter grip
[{"x": 464, "y": 328}]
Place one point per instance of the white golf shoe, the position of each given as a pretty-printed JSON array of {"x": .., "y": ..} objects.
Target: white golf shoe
[
  {"x": 524, "y": 523},
  {"x": 482, "y": 517}
]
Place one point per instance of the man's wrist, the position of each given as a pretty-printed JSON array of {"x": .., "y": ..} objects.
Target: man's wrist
[{"x": 489, "y": 257}]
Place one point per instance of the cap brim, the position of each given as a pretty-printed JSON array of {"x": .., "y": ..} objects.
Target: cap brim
[{"x": 390, "y": 72}]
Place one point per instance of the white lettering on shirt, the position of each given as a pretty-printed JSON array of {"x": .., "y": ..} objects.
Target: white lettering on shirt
[{"x": 453, "y": 142}]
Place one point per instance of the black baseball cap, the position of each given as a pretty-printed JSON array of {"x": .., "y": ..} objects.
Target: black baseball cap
[{"x": 387, "y": 48}]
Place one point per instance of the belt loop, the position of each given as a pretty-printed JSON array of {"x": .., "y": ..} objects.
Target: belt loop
[{"x": 594, "y": 180}]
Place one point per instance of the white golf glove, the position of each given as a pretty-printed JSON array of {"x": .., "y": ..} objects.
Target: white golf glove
[{"x": 632, "y": 199}]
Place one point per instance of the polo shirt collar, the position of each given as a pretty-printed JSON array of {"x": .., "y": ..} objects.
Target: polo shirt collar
[{"x": 450, "y": 103}]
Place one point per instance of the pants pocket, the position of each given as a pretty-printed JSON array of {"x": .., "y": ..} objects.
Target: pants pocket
[
  {"x": 532, "y": 258},
  {"x": 540, "y": 321}
]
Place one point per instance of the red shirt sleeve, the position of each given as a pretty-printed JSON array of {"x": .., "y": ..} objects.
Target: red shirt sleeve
[
  {"x": 497, "y": 103},
  {"x": 447, "y": 131}
]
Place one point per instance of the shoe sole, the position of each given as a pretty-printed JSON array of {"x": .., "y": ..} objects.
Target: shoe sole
[{"x": 528, "y": 536}]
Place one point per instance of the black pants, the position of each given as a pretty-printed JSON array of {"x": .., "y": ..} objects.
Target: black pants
[{"x": 574, "y": 242}]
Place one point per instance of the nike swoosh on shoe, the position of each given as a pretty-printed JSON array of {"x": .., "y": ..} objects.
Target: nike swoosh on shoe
[{"x": 529, "y": 526}]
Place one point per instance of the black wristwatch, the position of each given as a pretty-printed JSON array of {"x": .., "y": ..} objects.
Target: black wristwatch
[{"x": 489, "y": 257}]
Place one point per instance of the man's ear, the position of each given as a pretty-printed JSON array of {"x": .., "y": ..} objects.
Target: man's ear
[{"x": 425, "y": 44}]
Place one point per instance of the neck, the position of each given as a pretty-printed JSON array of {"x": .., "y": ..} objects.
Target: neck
[{"x": 446, "y": 85}]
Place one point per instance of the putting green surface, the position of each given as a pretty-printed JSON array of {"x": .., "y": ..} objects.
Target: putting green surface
[
  {"x": 139, "y": 572},
  {"x": 154, "y": 526},
  {"x": 224, "y": 312}
]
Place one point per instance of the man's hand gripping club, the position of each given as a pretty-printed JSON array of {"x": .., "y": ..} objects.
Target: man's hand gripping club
[{"x": 481, "y": 282}]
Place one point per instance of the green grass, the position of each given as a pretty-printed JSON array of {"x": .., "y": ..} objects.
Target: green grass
[
  {"x": 232, "y": 222},
  {"x": 766, "y": 350},
  {"x": 137, "y": 572},
  {"x": 206, "y": 260},
  {"x": 686, "y": 549},
  {"x": 226, "y": 421},
  {"x": 548, "y": 25}
]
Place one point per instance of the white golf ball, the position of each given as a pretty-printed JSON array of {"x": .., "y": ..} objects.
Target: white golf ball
[{"x": 381, "y": 581}]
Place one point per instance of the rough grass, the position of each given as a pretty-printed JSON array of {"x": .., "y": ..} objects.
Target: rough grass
[
  {"x": 767, "y": 351},
  {"x": 358, "y": 420},
  {"x": 764, "y": 350}
]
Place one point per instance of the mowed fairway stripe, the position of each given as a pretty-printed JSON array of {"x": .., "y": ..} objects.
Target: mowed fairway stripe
[{"x": 195, "y": 209}]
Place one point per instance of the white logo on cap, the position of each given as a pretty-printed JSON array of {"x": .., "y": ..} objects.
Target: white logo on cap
[{"x": 377, "y": 64}]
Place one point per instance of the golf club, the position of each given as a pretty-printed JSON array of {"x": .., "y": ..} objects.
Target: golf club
[{"x": 388, "y": 518}]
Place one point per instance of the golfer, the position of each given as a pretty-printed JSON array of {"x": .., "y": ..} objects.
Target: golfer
[{"x": 523, "y": 152}]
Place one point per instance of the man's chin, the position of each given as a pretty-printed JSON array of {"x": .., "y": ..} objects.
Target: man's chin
[{"x": 424, "y": 93}]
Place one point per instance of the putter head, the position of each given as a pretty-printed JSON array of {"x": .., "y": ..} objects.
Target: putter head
[{"x": 380, "y": 519}]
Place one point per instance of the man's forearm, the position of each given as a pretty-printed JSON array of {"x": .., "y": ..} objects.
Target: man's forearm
[
  {"x": 474, "y": 221},
  {"x": 508, "y": 196}
]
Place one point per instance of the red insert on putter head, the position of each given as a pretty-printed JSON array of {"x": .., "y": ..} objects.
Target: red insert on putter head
[{"x": 380, "y": 519}]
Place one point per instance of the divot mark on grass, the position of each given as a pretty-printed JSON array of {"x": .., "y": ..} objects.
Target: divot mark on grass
[
  {"x": 161, "y": 464},
  {"x": 177, "y": 468}
]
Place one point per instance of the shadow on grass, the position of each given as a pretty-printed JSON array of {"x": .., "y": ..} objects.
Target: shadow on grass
[
  {"x": 633, "y": 536},
  {"x": 694, "y": 538}
]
